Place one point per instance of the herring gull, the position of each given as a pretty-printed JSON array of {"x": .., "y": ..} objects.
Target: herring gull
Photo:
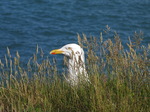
[{"x": 76, "y": 65}]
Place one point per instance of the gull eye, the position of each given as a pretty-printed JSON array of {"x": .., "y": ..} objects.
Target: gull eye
[{"x": 69, "y": 48}]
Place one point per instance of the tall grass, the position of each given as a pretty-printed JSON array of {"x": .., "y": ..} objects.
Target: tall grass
[{"x": 120, "y": 80}]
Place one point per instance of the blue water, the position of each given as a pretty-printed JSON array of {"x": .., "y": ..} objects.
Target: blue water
[{"x": 54, "y": 23}]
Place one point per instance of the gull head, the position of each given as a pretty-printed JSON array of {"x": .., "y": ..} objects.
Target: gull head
[{"x": 73, "y": 51}]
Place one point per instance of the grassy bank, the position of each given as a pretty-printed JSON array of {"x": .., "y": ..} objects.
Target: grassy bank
[{"x": 119, "y": 80}]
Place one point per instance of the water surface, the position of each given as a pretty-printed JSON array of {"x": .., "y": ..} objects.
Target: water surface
[{"x": 54, "y": 23}]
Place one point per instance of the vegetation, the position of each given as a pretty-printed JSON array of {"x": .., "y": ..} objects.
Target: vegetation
[{"x": 119, "y": 80}]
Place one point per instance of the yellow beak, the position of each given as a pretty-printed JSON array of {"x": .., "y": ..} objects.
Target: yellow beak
[{"x": 56, "y": 51}]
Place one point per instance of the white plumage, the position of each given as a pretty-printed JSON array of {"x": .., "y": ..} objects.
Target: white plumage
[{"x": 76, "y": 64}]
